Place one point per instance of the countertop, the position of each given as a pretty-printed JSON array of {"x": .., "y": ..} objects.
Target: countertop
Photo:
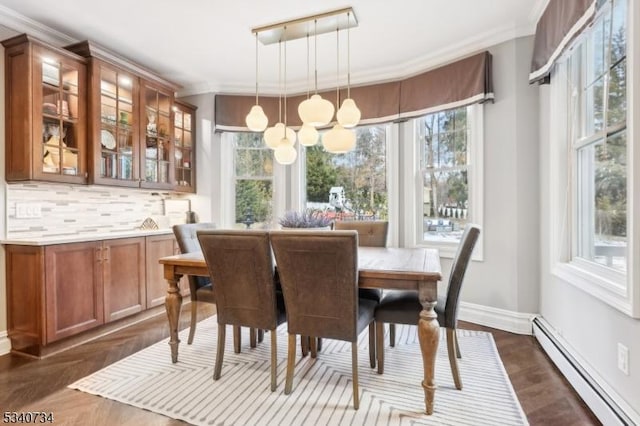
[{"x": 93, "y": 236}]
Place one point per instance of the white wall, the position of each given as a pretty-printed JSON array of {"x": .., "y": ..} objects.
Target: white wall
[{"x": 508, "y": 277}]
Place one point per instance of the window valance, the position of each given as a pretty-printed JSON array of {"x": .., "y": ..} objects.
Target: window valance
[
  {"x": 560, "y": 23},
  {"x": 456, "y": 84}
]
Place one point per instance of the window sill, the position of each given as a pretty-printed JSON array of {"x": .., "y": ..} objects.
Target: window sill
[
  {"x": 447, "y": 250},
  {"x": 607, "y": 291}
]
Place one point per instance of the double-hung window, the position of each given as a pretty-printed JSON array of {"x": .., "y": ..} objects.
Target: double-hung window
[{"x": 599, "y": 160}]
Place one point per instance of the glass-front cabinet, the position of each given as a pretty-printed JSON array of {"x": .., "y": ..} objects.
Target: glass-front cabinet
[
  {"x": 46, "y": 132},
  {"x": 184, "y": 148},
  {"x": 116, "y": 139},
  {"x": 158, "y": 151}
]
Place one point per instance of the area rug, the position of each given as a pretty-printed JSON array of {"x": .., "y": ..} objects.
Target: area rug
[{"x": 321, "y": 387}]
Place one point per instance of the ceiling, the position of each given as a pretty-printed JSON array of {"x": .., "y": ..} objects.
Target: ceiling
[{"x": 207, "y": 45}]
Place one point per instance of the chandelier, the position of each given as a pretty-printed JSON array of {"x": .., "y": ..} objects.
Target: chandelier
[{"x": 314, "y": 112}]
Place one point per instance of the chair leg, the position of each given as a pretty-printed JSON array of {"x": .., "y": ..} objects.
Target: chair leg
[
  {"x": 220, "y": 354},
  {"x": 194, "y": 321},
  {"x": 392, "y": 335},
  {"x": 291, "y": 363},
  {"x": 237, "y": 338},
  {"x": 354, "y": 372},
  {"x": 304, "y": 345},
  {"x": 380, "y": 346},
  {"x": 457, "y": 345},
  {"x": 372, "y": 345},
  {"x": 319, "y": 344},
  {"x": 313, "y": 347},
  {"x": 260, "y": 335},
  {"x": 451, "y": 351},
  {"x": 252, "y": 337},
  {"x": 274, "y": 360}
]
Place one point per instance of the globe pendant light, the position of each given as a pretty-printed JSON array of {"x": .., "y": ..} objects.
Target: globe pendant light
[
  {"x": 256, "y": 120},
  {"x": 273, "y": 135},
  {"x": 316, "y": 111},
  {"x": 285, "y": 152},
  {"x": 308, "y": 135},
  {"x": 339, "y": 140},
  {"x": 348, "y": 115}
]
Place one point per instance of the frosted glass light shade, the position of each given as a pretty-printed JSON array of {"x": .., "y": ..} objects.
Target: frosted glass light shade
[
  {"x": 273, "y": 135},
  {"x": 339, "y": 140},
  {"x": 308, "y": 135},
  {"x": 316, "y": 111},
  {"x": 256, "y": 120},
  {"x": 285, "y": 153},
  {"x": 348, "y": 115}
]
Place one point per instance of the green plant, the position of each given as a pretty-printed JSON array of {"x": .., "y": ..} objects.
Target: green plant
[{"x": 309, "y": 218}]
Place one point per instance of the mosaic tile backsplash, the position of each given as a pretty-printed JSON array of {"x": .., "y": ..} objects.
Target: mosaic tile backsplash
[{"x": 70, "y": 209}]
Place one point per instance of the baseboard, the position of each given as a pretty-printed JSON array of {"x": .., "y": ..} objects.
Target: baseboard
[
  {"x": 514, "y": 322},
  {"x": 604, "y": 402},
  {"x": 5, "y": 343}
]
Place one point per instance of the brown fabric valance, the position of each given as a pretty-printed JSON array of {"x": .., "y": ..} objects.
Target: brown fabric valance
[
  {"x": 559, "y": 24},
  {"x": 456, "y": 84}
]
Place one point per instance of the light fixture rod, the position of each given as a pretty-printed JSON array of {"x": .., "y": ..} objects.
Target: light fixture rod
[{"x": 297, "y": 28}]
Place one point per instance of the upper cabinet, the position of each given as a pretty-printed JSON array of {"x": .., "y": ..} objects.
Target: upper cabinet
[
  {"x": 130, "y": 121},
  {"x": 184, "y": 137},
  {"x": 84, "y": 114},
  {"x": 46, "y": 120}
]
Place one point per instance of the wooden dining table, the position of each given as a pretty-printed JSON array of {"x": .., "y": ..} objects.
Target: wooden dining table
[{"x": 383, "y": 268}]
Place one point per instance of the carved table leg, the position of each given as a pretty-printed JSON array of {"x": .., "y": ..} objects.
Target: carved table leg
[
  {"x": 429, "y": 336},
  {"x": 173, "y": 303}
]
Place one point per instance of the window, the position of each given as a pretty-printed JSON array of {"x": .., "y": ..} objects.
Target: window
[
  {"x": 253, "y": 181},
  {"x": 351, "y": 185},
  {"x": 598, "y": 88},
  {"x": 448, "y": 190}
]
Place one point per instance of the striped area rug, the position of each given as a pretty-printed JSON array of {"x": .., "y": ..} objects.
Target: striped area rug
[{"x": 321, "y": 388}]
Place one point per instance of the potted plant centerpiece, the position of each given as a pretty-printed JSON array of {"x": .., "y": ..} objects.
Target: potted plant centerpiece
[{"x": 307, "y": 219}]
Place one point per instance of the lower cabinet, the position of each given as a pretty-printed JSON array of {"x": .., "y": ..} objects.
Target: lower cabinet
[{"x": 58, "y": 291}]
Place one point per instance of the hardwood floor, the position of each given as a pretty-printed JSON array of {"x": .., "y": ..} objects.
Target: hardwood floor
[{"x": 40, "y": 385}]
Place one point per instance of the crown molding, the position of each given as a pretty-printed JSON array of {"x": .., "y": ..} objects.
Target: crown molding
[{"x": 20, "y": 23}]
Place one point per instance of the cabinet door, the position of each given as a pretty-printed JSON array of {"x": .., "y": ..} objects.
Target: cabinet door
[
  {"x": 45, "y": 112},
  {"x": 157, "y": 151},
  {"x": 124, "y": 277},
  {"x": 73, "y": 289},
  {"x": 184, "y": 138},
  {"x": 157, "y": 246},
  {"x": 113, "y": 110}
]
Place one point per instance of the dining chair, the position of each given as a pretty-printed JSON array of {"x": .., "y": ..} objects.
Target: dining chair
[
  {"x": 201, "y": 288},
  {"x": 403, "y": 306},
  {"x": 241, "y": 265},
  {"x": 371, "y": 233},
  {"x": 319, "y": 277}
]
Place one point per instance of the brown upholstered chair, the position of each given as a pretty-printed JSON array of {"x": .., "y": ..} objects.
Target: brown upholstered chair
[
  {"x": 200, "y": 287},
  {"x": 371, "y": 233},
  {"x": 319, "y": 276},
  {"x": 241, "y": 265},
  {"x": 403, "y": 306}
]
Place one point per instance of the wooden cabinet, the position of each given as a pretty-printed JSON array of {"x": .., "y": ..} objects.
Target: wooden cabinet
[
  {"x": 124, "y": 272},
  {"x": 184, "y": 146},
  {"x": 157, "y": 246},
  {"x": 45, "y": 112},
  {"x": 57, "y": 291},
  {"x": 130, "y": 120}
]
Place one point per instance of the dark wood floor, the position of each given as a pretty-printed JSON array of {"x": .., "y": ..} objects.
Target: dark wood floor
[{"x": 40, "y": 385}]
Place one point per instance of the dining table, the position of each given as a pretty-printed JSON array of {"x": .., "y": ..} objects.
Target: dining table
[{"x": 378, "y": 267}]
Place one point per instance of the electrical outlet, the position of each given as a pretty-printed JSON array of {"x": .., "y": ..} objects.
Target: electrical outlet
[{"x": 623, "y": 358}]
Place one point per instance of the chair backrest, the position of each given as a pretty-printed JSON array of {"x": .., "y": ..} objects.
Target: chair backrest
[
  {"x": 371, "y": 233},
  {"x": 458, "y": 269},
  {"x": 188, "y": 242},
  {"x": 319, "y": 276},
  {"x": 240, "y": 264}
]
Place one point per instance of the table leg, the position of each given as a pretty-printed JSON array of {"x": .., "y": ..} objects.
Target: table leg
[
  {"x": 429, "y": 336},
  {"x": 173, "y": 303}
]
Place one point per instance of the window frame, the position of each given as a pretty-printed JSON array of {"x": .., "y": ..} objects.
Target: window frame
[
  {"x": 413, "y": 184},
  {"x": 615, "y": 288}
]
